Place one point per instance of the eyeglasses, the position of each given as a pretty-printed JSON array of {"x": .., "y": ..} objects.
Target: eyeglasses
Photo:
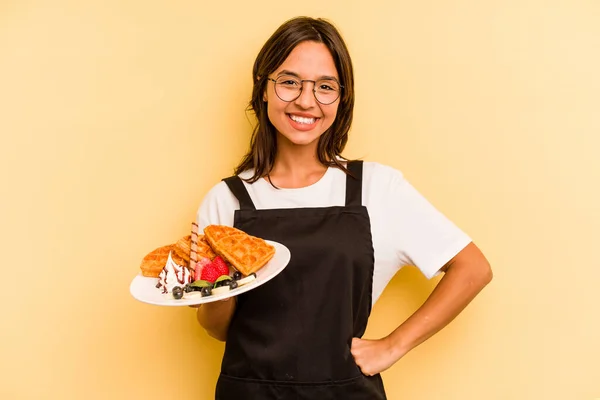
[{"x": 288, "y": 88}]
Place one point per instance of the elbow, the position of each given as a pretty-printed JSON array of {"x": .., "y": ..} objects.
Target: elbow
[
  {"x": 216, "y": 332},
  {"x": 478, "y": 265},
  {"x": 220, "y": 336},
  {"x": 472, "y": 266},
  {"x": 485, "y": 273}
]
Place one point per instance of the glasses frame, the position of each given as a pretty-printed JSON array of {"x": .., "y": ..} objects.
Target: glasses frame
[{"x": 302, "y": 88}]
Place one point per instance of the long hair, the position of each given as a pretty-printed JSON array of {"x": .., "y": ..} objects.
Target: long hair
[{"x": 263, "y": 143}]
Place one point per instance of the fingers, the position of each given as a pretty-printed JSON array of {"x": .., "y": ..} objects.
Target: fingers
[
  {"x": 362, "y": 351},
  {"x": 356, "y": 351}
]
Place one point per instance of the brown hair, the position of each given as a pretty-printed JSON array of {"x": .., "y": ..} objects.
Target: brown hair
[{"x": 263, "y": 144}]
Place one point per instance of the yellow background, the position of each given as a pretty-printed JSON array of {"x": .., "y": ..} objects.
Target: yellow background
[{"x": 116, "y": 117}]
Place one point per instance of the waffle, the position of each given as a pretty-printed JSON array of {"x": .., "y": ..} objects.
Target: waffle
[
  {"x": 155, "y": 261},
  {"x": 216, "y": 232},
  {"x": 246, "y": 253},
  {"x": 182, "y": 248},
  {"x": 204, "y": 249},
  {"x": 181, "y": 261}
]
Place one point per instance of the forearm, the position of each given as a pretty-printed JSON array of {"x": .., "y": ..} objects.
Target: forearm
[
  {"x": 215, "y": 317},
  {"x": 464, "y": 278}
]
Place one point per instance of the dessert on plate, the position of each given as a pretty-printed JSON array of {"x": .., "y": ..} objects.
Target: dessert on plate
[
  {"x": 173, "y": 275},
  {"x": 154, "y": 262},
  {"x": 246, "y": 253},
  {"x": 220, "y": 260}
]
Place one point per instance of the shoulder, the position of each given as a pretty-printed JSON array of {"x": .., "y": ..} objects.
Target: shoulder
[
  {"x": 221, "y": 192},
  {"x": 377, "y": 173},
  {"x": 380, "y": 179},
  {"x": 374, "y": 171},
  {"x": 217, "y": 206}
]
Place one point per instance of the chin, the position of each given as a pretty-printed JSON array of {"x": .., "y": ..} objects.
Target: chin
[{"x": 300, "y": 139}]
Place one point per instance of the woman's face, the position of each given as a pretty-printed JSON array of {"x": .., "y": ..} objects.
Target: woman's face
[{"x": 302, "y": 121}]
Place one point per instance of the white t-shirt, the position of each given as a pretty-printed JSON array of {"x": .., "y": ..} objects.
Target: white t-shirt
[{"x": 406, "y": 228}]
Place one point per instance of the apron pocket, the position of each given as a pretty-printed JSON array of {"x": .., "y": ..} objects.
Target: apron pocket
[{"x": 359, "y": 388}]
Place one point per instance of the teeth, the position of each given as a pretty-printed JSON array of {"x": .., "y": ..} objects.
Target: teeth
[{"x": 302, "y": 120}]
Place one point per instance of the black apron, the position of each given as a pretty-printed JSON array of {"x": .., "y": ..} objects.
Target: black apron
[{"x": 290, "y": 338}]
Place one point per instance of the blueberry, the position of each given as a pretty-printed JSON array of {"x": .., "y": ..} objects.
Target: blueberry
[
  {"x": 188, "y": 288},
  {"x": 233, "y": 284},
  {"x": 206, "y": 291},
  {"x": 237, "y": 275},
  {"x": 222, "y": 281},
  {"x": 177, "y": 292}
]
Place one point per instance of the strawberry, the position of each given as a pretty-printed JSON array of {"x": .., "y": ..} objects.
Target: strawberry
[
  {"x": 220, "y": 265},
  {"x": 199, "y": 266},
  {"x": 210, "y": 273}
]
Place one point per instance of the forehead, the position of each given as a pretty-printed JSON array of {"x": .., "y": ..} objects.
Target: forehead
[{"x": 310, "y": 60}]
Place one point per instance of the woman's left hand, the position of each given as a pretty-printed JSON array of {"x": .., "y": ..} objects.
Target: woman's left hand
[{"x": 373, "y": 356}]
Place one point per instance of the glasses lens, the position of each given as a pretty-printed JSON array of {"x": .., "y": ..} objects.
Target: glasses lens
[
  {"x": 288, "y": 88},
  {"x": 327, "y": 91}
]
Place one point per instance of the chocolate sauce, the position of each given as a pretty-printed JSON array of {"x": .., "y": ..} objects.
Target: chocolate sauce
[{"x": 179, "y": 272}]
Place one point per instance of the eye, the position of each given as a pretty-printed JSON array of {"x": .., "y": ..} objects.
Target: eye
[
  {"x": 328, "y": 86},
  {"x": 288, "y": 82}
]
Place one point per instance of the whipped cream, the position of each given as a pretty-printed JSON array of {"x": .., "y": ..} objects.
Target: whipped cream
[{"x": 173, "y": 275}]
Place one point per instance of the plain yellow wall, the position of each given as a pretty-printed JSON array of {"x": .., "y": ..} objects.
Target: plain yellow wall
[{"x": 116, "y": 117}]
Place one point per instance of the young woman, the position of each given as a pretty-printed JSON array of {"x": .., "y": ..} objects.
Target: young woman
[{"x": 350, "y": 226}]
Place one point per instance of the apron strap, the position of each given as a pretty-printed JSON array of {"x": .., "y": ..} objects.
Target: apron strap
[
  {"x": 236, "y": 186},
  {"x": 354, "y": 183}
]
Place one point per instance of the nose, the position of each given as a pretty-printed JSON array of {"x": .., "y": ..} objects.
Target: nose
[{"x": 306, "y": 99}]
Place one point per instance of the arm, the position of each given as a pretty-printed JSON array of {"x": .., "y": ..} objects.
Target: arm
[
  {"x": 465, "y": 276},
  {"x": 218, "y": 207},
  {"x": 215, "y": 317}
]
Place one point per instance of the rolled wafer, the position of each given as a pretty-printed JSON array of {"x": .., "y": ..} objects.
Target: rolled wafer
[{"x": 194, "y": 246}]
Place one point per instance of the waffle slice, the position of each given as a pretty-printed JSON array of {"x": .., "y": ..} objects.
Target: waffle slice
[
  {"x": 246, "y": 253},
  {"x": 179, "y": 260},
  {"x": 216, "y": 232},
  {"x": 182, "y": 248},
  {"x": 204, "y": 249},
  {"x": 155, "y": 261}
]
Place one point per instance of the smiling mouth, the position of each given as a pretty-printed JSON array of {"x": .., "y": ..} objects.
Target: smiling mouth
[{"x": 302, "y": 120}]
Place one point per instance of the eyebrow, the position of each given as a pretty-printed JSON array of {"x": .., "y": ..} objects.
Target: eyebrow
[{"x": 324, "y": 77}]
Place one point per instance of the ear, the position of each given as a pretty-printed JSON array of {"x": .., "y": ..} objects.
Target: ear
[{"x": 265, "y": 97}]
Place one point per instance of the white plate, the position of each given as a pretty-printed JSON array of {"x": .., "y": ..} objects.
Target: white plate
[{"x": 144, "y": 289}]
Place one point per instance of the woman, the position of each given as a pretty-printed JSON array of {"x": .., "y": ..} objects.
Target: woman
[{"x": 349, "y": 226}]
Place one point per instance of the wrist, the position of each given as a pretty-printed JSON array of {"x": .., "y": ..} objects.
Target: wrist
[{"x": 397, "y": 344}]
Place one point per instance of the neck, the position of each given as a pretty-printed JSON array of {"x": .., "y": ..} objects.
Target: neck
[{"x": 296, "y": 166}]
